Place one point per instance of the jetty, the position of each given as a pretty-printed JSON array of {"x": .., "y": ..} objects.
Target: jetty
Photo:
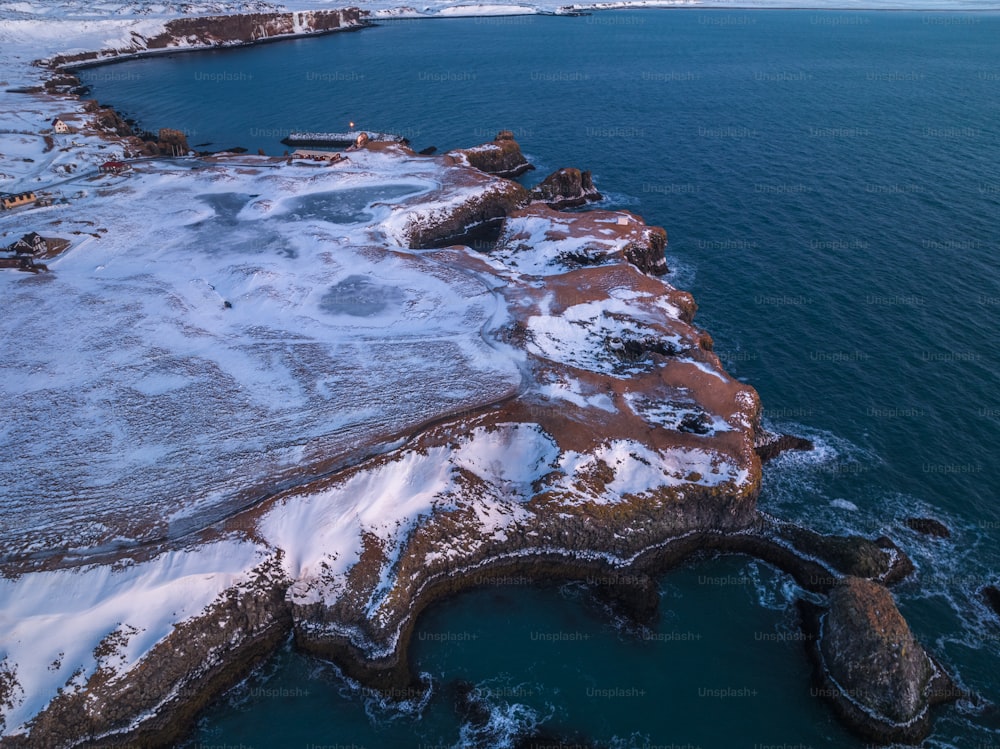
[{"x": 340, "y": 139}]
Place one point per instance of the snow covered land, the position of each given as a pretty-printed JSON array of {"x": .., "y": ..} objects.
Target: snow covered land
[
  {"x": 242, "y": 402},
  {"x": 213, "y": 342},
  {"x": 225, "y": 330}
]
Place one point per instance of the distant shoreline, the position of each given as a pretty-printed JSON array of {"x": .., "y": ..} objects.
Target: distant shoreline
[{"x": 370, "y": 20}]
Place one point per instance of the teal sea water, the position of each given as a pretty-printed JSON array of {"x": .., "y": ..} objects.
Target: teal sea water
[{"x": 830, "y": 182}]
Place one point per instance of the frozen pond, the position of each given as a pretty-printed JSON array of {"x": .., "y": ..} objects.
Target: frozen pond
[
  {"x": 349, "y": 206},
  {"x": 360, "y": 296}
]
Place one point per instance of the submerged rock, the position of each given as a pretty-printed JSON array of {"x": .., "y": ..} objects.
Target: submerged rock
[
  {"x": 991, "y": 594},
  {"x": 636, "y": 597},
  {"x": 469, "y": 704},
  {"x": 929, "y": 527},
  {"x": 543, "y": 739}
]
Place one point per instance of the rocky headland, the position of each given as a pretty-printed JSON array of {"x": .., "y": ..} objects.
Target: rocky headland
[
  {"x": 194, "y": 32},
  {"x": 606, "y": 444}
]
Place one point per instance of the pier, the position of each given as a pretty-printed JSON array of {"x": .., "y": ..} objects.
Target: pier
[{"x": 340, "y": 139}]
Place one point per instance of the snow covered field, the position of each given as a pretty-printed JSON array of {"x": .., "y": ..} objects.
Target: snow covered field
[
  {"x": 220, "y": 330},
  {"x": 230, "y": 330}
]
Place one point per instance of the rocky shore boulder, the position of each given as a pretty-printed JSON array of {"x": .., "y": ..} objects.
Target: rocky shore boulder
[
  {"x": 648, "y": 254},
  {"x": 172, "y": 142},
  {"x": 566, "y": 188},
  {"x": 879, "y": 678},
  {"x": 108, "y": 120},
  {"x": 852, "y": 555},
  {"x": 502, "y": 157},
  {"x": 770, "y": 446}
]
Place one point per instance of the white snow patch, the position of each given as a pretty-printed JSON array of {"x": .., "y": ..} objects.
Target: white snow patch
[
  {"x": 571, "y": 391},
  {"x": 51, "y": 622},
  {"x": 581, "y": 335},
  {"x": 639, "y": 469},
  {"x": 512, "y": 456}
]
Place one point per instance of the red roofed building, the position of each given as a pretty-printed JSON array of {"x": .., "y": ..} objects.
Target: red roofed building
[{"x": 114, "y": 167}]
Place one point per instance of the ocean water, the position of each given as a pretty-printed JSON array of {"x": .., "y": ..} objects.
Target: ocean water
[{"x": 830, "y": 182}]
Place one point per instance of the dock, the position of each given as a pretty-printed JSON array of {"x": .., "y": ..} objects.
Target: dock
[{"x": 340, "y": 139}]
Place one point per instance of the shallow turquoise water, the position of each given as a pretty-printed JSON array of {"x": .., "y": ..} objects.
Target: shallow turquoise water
[{"x": 831, "y": 186}]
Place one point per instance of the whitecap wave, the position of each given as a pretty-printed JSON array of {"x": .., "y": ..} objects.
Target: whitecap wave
[{"x": 508, "y": 720}]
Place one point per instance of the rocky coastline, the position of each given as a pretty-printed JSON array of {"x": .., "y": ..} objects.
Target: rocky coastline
[
  {"x": 576, "y": 526},
  {"x": 193, "y": 33}
]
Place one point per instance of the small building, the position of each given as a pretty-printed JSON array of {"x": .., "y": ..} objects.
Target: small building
[
  {"x": 30, "y": 244},
  {"x": 10, "y": 200},
  {"x": 59, "y": 127},
  {"x": 114, "y": 167}
]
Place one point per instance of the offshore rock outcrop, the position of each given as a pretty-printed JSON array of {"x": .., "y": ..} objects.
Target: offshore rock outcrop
[
  {"x": 566, "y": 188},
  {"x": 502, "y": 157},
  {"x": 770, "y": 446},
  {"x": 876, "y": 674}
]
